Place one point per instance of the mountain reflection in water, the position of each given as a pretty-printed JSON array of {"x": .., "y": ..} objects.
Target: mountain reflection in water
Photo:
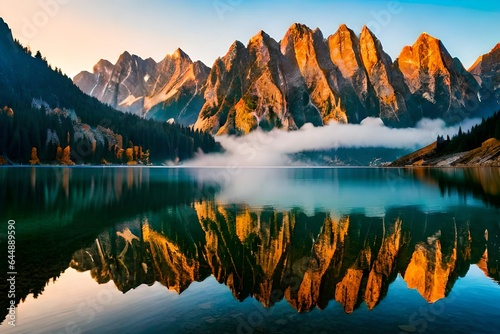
[
  {"x": 308, "y": 260},
  {"x": 173, "y": 226}
]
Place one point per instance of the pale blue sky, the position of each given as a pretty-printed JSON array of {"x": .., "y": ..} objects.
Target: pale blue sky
[{"x": 74, "y": 34}]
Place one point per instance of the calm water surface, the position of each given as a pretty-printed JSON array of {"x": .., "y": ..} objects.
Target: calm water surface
[{"x": 153, "y": 250}]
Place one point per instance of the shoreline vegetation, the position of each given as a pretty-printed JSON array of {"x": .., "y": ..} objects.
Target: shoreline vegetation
[
  {"x": 477, "y": 147},
  {"x": 488, "y": 155},
  {"x": 182, "y": 166}
]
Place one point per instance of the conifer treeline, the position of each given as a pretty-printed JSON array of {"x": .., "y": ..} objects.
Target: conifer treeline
[
  {"x": 47, "y": 130},
  {"x": 466, "y": 141}
]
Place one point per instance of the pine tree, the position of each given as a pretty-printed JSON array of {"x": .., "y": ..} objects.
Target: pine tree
[
  {"x": 15, "y": 146},
  {"x": 497, "y": 130}
]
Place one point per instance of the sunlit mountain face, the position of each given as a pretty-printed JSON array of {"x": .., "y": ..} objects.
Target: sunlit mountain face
[
  {"x": 306, "y": 77},
  {"x": 342, "y": 238}
]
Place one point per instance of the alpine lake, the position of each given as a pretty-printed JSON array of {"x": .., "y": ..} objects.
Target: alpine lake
[{"x": 264, "y": 250}]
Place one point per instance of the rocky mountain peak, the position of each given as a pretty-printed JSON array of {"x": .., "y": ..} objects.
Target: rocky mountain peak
[
  {"x": 299, "y": 28},
  {"x": 236, "y": 48},
  {"x": 170, "y": 89},
  {"x": 493, "y": 55},
  {"x": 371, "y": 50},
  {"x": 427, "y": 54},
  {"x": 366, "y": 30},
  {"x": 201, "y": 67},
  {"x": 300, "y": 34},
  {"x": 260, "y": 36},
  {"x": 425, "y": 42},
  {"x": 439, "y": 83},
  {"x": 308, "y": 55},
  {"x": 425, "y": 46},
  {"x": 343, "y": 28},
  {"x": 344, "y": 50},
  {"x": 296, "y": 32},
  {"x": 261, "y": 46},
  {"x": 102, "y": 64},
  {"x": 368, "y": 37},
  {"x": 179, "y": 54},
  {"x": 477, "y": 65},
  {"x": 124, "y": 57},
  {"x": 260, "y": 43},
  {"x": 344, "y": 37},
  {"x": 383, "y": 79},
  {"x": 424, "y": 36},
  {"x": 236, "y": 51}
]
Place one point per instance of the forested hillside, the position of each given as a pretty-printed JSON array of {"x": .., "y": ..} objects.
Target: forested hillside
[
  {"x": 480, "y": 146},
  {"x": 45, "y": 118},
  {"x": 466, "y": 141}
]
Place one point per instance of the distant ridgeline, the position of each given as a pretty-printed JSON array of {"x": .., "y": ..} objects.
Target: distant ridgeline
[
  {"x": 45, "y": 118},
  {"x": 305, "y": 77}
]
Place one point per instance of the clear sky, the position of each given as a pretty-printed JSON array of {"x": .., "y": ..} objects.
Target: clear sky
[{"x": 75, "y": 34}]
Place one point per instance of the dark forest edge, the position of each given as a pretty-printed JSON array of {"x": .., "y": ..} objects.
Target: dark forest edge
[
  {"x": 46, "y": 119},
  {"x": 480, "y": 146}
]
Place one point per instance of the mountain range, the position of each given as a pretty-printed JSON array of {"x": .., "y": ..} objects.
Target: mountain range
[
  {"x": 304, "y": 78},
  {"x": 172, "y": 88}
]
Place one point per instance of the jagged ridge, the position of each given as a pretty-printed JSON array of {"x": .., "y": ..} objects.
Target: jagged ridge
[
  {"x": 172, "y": 88},
  {"x": 343, "y": 77},
  {"x": 304, "y": 78}
]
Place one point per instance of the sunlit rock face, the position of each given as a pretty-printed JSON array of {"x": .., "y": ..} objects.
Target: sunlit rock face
[
  {"x": 343, "y": 77},
  {"x": 387, "y": 81},
  {"x": 306, "y": 77},
  {"x": 346, "y": 55},
  {"x": 255, "y": 86},
  {"x": 439, "y": 84},
  {"x": 308, "y": 52}
]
